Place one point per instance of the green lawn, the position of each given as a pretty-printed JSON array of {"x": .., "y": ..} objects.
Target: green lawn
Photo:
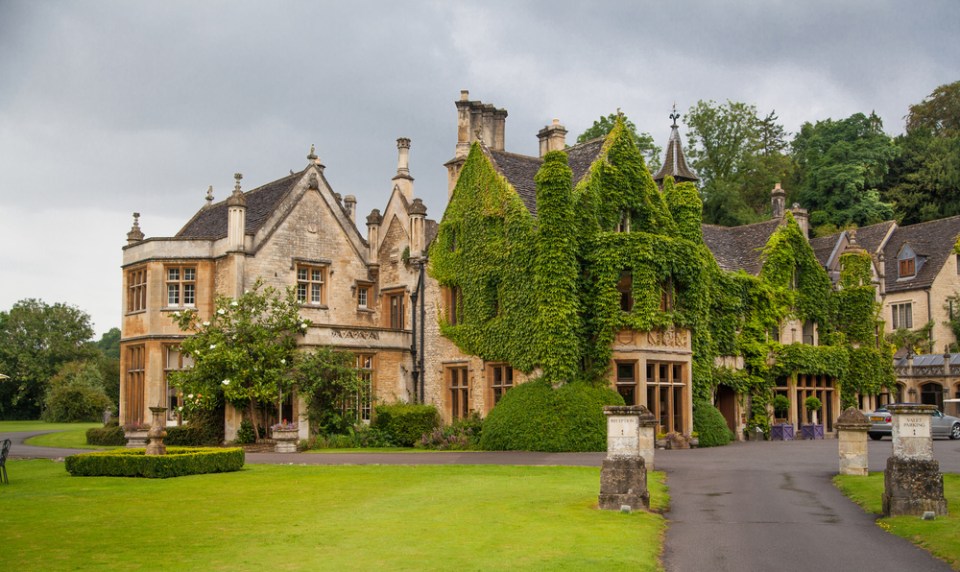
[
  {"x": 68, "y": 436},
  {"x": 11, "y": 426},
  {"x": 282, "y": 517},
  {"x": 940, "y": 536}
]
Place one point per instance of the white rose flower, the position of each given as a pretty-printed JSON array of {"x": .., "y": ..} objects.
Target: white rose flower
[
  {"x": 226, "y": 382},
  {"x": 283, "y": 361},
  {"x": 190, "y": 396},
  {"x": 221, "y": 311},
  {"x": 234, "y": 304},
  {"x": 303, "y": 326},
  {"x": 180, "y": 408},
  {"x": 206, "y": 324}
]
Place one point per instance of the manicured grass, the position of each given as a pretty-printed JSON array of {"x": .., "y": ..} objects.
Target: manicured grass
[
  {"x": 75, "y": 438},
  {"x": 282, "y": 517},
  {"x": 12, "y": 426},
  {"x": 940, "y": 536},
  {"x": 376, "y": 450}
]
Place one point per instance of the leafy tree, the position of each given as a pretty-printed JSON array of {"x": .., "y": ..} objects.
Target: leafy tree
[
  {"x": 840, "y": 165},
  {"x": 644, "y": 141},
  {"x": 109, "y": 343},
  {"x": 738, "y": 156},
  {"x": 924, "y": 181},
  {"x": 330, "y": 383},
  {"x": 243, "y": 354},
  {"x": 76, "y": 394},
  {"x": 37, "y": 340}
]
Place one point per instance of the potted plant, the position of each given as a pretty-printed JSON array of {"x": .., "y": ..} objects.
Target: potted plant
[
  {"x": 136, "y": 434},
  {"x": 781, "y": 430},
  {"x": 285, "y": 437},
  {"x": 812, "y": 430}
]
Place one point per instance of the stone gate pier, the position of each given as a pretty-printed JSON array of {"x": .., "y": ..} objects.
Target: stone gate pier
[
  {"x": 912, "y": 481},
  {"x": 623, "y": 475}
]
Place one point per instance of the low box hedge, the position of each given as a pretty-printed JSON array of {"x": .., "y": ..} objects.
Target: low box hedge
[
  {"x": 109, "y": 435},
  {"x": 178, "y": 462},
  {"x": 405, "y": 423}
]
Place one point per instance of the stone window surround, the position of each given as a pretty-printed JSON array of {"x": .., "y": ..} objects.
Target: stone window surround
[
  {"x": 500, "y": 379},
  {"x": 901, "y": 315},
  {"x": 457, "y": 386},
  {"x": 185, "y": 283},
  {"x": 137, "y": 289}
]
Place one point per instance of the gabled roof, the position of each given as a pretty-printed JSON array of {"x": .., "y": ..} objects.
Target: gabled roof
[
  {"x": 674, "y": 163},
  {"x": 824, "y": 247},
  {"x": 870, "y": 238},
  {"x": 520, "y": 170},
  {"x": 932, "y": 242},
  {"x": 739, "y": 247},
  {"x": 211, "y": 222}
]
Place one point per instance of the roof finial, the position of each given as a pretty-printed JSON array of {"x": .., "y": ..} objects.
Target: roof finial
[
  {"x": 135, "y": 234},
  {"x": 209, "y": 195},
  {"x": 236, "y": 187},
  {"x": 313, "y": 153},
  {"x": 479, "y": 134},
  {"x": 674, "y": 116}
]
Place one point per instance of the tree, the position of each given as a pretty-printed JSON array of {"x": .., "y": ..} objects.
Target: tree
[
  {"x": 644, "y": 141},
  {"x": 109, "y": 343},
  {"x": 331, "y": 386},
  {"x": 840, "y": 165},
  {"x": 109, "y": 363},
  {"x": 75, "y": 394},
  {"x": 243, "y": 354},
  {"x": 37, "y": 340},
  {"x": 924, "y": 181},
  {"x": 738, "y": 156}
]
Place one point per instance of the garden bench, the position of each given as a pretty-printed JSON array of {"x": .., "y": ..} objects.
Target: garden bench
[{"x": 3, "y": 461}]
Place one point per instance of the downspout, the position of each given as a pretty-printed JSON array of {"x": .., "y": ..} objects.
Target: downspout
[
  {"x": 422, "y": 286},
  {"x": 413, "y": 346},
  {"x": 930, "y": 319}
]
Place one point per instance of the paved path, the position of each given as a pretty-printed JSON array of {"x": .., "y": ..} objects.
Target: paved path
[
  {"x": 744, "y": 507},
  {"x": 771, "y": 506}
]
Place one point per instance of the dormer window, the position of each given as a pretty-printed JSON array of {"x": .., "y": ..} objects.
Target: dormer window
[{"x": 906, "y": 262}]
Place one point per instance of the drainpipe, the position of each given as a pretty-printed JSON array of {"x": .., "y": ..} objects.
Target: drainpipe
[
  {"x": 413, "y": 346},
  {"x": 930, "y": 319},
  {"x": 422, "y": 286}
]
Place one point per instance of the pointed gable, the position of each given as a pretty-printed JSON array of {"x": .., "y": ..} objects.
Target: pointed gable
[{"x": 932, "y": 243}]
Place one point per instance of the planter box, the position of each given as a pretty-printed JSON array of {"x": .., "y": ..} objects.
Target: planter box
[
  {"x": 811, "y": 431},
  {"x": 783, "y": 432},
  {"x": 285, "y": 441},
  {"x": 136, "y": 439}
]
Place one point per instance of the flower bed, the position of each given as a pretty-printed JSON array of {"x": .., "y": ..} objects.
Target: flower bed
[{"x": 178, "y": 462}]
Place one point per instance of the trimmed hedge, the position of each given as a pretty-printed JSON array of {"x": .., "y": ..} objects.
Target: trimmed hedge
[
  {"x": 108, "y": 435},
  {"x": 193, "y": 436},
  {"x": 405, "y": 423},
  {"x": 178, "y": 462},
  {"x": 710, "y": 425},
  {"x": 534, "y": 416}
]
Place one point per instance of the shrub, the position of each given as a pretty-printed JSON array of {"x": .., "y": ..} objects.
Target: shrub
[
  {"x": 354, "y": 438},
  {"x": 245, "y": 434},
  {"x": 534, "y": 416},
  {"x": 710, "y": 425},
  {"x": 781, "y": 404},
  {"x": 193, "y": 436},
  {"x": 109, "y": 435},
  {"x": 463, "y": 434},
  {"x": 178, "y": 462},
  {"x": 405, "y": 423},
  {"x": 76, "y": 394}
]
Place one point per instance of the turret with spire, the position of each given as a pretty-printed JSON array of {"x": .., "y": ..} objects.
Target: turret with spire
[{"x": 674, "y": 164}]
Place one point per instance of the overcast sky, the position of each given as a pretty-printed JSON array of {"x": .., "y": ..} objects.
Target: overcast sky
[{"x": 110, "y": 107}]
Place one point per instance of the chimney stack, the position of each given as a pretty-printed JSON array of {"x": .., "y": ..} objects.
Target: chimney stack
[
  {"x": 350, "y": 204},
  {"x": 552, "y": 138},
  {"x": 778, "y": 200}
]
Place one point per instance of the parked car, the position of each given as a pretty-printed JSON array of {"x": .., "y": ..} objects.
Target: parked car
[{"x": 940, "y": 425}]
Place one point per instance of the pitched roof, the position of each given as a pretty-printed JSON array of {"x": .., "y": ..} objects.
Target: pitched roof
[
  {"x": 520, "y": 170},
  {"x": 739, "y": 247},
  {"x": 870, "y": 238},
  {"x": 674, "y": 164},
  {"x": 823, "y": 247},
  {"x": 211, "y": 222},
  {"x": 931, "y": 241}
]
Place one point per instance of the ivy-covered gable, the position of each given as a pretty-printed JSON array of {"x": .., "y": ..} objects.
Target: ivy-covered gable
[{"x": 484, "y": 248}]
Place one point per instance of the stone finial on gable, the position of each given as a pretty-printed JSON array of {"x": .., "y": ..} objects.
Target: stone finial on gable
[
  {"x": 237, "y": 198},
  {"x": 312, "y": 157},
  {"x": 135, "y": 234},
  {"x": 209, "y": 197}
]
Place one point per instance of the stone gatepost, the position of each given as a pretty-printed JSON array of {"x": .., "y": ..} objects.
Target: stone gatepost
[
  {"x": 912, "y": 482},
  {"x": 648, "y": 435},
  {"x": 623, "y": 476},
  {"x": 852, "y": 426}
]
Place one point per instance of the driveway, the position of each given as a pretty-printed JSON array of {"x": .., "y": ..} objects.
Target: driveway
[{"x": 772, "y": 506}]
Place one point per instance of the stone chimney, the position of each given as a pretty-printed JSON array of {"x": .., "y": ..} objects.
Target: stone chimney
[
  {"x": 402, "y": 180},
  {"x": 778, "y": 200},
  {"x": 802, "y": 218},
  {"x": 350, "y": 205},
  {"x": 418, "y": 216},
  {"x": 236, "y": 217},
  {"x": 374, "y": 220},
  {"x": 135, "y": 234},
  {"x": 476, "y": 121},
  {"x": 552, "y": 138}
]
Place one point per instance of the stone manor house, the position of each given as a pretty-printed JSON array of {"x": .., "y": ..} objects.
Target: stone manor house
[{"x": 373, "y": 292}]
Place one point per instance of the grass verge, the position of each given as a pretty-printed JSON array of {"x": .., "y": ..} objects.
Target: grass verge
[
  {"x": 941, "y": 536},
  {"x": 75, "y": 438},
  {"x": 326, "y": 518},
  {"x": 15, "y": 426}
]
